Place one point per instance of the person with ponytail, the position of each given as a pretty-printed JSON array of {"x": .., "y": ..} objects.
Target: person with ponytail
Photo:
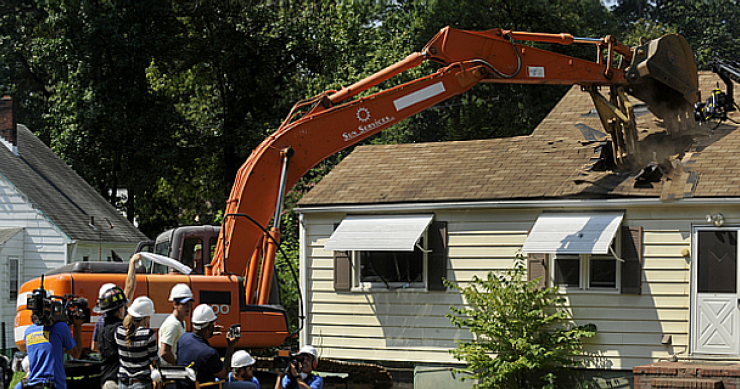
[{"x": 137, "y": 346}]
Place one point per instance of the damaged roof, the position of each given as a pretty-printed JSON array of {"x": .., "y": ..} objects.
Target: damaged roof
[
  {"x": 565, "y": 157},
  {"x": 61, "y": 194}
]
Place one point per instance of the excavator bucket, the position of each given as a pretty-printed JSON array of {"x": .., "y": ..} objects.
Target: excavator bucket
[{"x": 663, "y": 75}]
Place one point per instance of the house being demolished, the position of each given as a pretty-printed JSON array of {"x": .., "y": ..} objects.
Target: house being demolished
[{"x": 649, "y": 255}]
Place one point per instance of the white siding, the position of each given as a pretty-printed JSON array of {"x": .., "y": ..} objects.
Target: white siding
[
  {"x": 408, "y": 326},
  {"x": 12, "y": 249},
  {"x": 41, "y": 247}
]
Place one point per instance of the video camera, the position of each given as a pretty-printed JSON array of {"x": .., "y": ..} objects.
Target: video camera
[
  {"x": 48, "y": 309},
  {"x": 285, "y": 358}
]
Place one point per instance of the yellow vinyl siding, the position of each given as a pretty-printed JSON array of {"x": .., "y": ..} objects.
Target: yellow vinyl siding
[{"x": 411, "y": 326}]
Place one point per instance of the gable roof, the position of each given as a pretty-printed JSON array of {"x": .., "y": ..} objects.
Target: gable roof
[
  {"x": 60, "y": 193},
  {"x": 7, "y": 233},
  {"x": 555, "y": 162}
]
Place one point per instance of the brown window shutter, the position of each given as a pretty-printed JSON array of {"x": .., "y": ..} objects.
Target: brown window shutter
[
  {"x": 437, "y": 259},
  {"x": 632, "y": 256},
  {"x": 342, "y": 269},
  {"x": 537, "y": 268}
]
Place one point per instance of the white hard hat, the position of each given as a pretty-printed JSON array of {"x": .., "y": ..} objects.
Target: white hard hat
[
  {"x": 141, "y": 307},
  {"x": 182, "y": 292},
  {"x": 202, "y": 315},
  {"x": 105, "y": 288},
  {"x": 309, "y": 350},
  {"x": 241, "y": 358}
]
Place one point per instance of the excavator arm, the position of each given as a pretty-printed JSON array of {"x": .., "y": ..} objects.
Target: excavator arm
[{"x": 333, "y": 121}]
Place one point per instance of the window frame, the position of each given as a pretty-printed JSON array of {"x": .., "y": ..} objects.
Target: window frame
[
  {"x": 364, "y": 286},
  {"x": 17, "y": 286},
  {"x": 585, "y": 266}
]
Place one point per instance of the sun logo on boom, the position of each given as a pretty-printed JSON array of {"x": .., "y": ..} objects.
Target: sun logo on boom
[{"x": 363, "y": 114}]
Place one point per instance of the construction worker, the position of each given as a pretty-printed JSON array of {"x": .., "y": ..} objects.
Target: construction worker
[
  {"x": 101, "y": 320},
  {"x": 242, "y": 372},
  {"x": 174, "y": 326},
  {"x": 193, "y": 347},
  {"x": 46, "y": 345},
  {"x": 300, "y": 374},
  {"x": 137, "y": 346},
  {"x": 112, "y": 303}
]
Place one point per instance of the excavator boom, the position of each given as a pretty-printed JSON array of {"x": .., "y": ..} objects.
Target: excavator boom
[{"x": 333, "y": 121}]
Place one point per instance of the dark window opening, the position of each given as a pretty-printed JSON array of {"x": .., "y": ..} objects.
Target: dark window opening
[
  {"x": 603, "y": 271},
  {"x": 392, "y": 266},
  {"x": 567, "y": 270}
]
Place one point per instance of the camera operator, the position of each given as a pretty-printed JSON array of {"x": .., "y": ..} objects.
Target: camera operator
[
  {"x": 193, "y": 347},
  {"x": 46, "y": 345},
  {"x": 300, "y": 374}
]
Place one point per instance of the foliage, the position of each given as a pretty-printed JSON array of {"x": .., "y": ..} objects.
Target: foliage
[
  {"x": 520, "y": 330},
  {"x": 710, "y": 26}
]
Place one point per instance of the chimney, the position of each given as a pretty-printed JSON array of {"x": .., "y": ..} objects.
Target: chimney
[{"x": 8, "y": 125}]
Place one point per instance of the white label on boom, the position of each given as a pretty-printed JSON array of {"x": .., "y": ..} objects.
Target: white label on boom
[
  {"x": 419, "y": 96},
  {"x": 536, "y": 71}
]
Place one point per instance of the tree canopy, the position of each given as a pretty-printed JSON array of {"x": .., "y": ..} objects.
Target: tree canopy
[{"x": 157, "y": 104}]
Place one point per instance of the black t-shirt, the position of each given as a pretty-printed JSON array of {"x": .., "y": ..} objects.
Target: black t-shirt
[{"x": 109, "y": 349}]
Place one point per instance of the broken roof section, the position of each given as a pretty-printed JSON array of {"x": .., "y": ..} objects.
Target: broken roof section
[{"x": 565, "y": 157}]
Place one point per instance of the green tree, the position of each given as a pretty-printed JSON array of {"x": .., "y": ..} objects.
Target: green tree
[{"x": 520, "y": 331}]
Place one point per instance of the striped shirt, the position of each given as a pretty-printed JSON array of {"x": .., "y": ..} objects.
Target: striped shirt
[{"x": 136, "y": 357}]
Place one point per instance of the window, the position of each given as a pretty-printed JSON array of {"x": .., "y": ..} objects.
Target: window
[
  {"x": 585, "y": 271},
  {"x": 212, "y": 251},
  {"x": 360, "y": 265},
  {"x": 192, "y": 253},
  {"x": 392, "y": 269},
  {"x": 13, "y": 277}
]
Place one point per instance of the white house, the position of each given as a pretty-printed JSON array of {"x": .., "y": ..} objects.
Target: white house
[
  {"x": 466, "y": 208},
  {"x": 49, "y": 216}
]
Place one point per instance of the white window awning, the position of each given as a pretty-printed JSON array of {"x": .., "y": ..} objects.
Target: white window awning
[
  {"x": 378, "y": 233},
  {"x": 573, "y": 233}
]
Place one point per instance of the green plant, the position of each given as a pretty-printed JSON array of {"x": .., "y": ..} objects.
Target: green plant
[{"x": 522, "y": 332}]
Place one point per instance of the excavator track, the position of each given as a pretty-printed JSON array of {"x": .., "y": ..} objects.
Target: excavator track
[{"x": 342, "y": 374}]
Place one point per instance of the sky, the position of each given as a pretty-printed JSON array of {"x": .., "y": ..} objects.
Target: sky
[{"x": 609, "y": 3}]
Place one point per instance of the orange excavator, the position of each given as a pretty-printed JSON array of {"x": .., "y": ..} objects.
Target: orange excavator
[{"x": 238, "y": 280}]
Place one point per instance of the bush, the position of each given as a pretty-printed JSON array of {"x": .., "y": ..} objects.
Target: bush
[{"x": 521, "y": 331}]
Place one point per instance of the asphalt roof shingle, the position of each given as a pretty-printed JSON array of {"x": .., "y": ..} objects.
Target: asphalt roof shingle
[
  {"x": 554, "y": 162},
  {"x": 61, "y": 194}
]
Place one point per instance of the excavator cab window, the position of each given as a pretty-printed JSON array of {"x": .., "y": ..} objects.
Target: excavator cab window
[
  {"x": 161, "y": 248},
  {"x": 192, "y": 254},
  {"x": 214, "y": 241}
]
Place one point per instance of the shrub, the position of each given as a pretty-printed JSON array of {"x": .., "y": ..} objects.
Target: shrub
[{"x": 521, "y": 331}]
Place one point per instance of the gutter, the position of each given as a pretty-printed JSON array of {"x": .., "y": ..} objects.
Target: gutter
[{"x": 573, "y": 203}]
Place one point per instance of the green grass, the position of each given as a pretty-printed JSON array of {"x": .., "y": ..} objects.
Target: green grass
[{"x": 16, "y": 378}]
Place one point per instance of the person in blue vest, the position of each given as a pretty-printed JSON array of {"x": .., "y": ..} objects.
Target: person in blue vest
[
  {"x": 242, "y": 372},
  {"x": 300, "y": 375},
  {"x": 46, "y": 344}
]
